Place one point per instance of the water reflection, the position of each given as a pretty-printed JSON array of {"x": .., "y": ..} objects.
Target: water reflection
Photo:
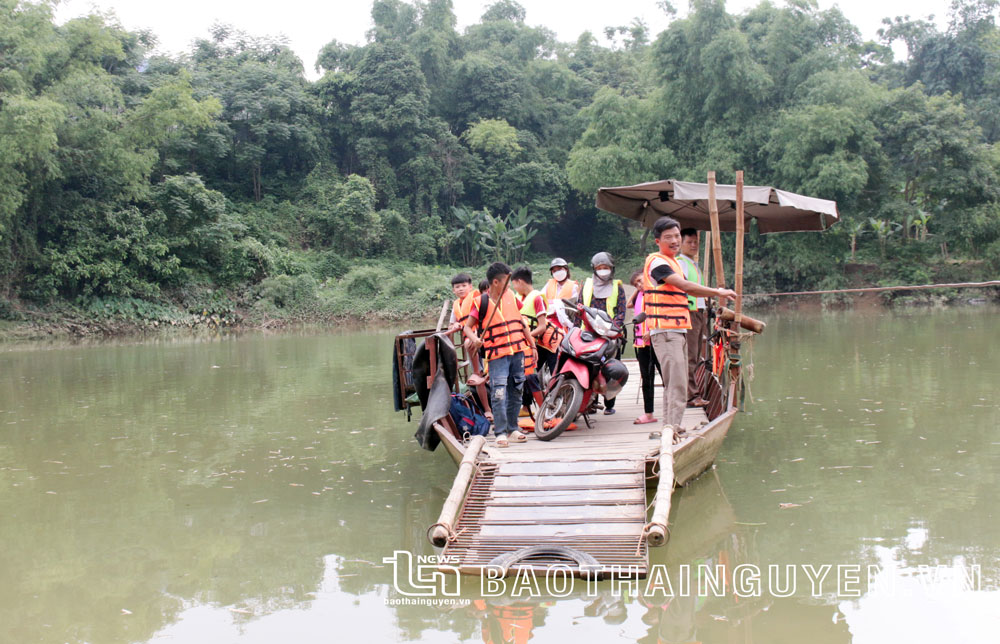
[{"x": 247, "y": 488}]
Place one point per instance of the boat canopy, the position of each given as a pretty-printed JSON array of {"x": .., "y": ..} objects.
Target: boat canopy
[{"x": 775, "y": 210}]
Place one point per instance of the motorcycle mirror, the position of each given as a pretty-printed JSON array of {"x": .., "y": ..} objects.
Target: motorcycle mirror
[{"x": 639, "y": 319}]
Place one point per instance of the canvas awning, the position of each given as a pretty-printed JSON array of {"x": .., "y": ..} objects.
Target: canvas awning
[{"x": 775, "y": 210}]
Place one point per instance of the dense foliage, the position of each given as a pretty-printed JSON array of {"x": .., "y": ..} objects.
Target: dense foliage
[{"x": 126, "y": 174}]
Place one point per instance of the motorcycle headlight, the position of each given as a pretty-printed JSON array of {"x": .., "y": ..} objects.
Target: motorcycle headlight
[{"x": 600, "y": 325}]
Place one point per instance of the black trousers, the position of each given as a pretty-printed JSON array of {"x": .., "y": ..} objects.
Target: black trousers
[
  {"x": 648, "y": 366},
  {"x": 546, "y": 357}
]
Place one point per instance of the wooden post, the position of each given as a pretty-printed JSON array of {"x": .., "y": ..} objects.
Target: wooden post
[
  {"x": 738, "y": 278},
  {"x": 438, "y": 533},
  {"x": 713, "y": 215},
  {"x": 706, "y": 262},
  {"x": 657, "y": 533},
  {"x": 444, "y": 312}
]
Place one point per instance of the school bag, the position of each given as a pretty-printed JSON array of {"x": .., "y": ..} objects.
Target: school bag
[{"x": 466, "y": 418}]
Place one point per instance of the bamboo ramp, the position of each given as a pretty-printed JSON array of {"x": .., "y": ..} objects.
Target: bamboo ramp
[{"x": 579, "y": 500}]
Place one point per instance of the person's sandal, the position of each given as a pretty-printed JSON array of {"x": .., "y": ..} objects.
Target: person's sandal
[
  {"x": 517, "y": 436},
  {"x": 502, "y": 441}
]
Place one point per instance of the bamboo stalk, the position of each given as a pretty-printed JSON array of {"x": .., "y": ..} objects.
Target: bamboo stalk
[
  {"x": 747, "y": 322},
  {"x": 449, "y": 512},
  {"x": 713, "y": 215},
  {"x": 657, "y": 534},
  {"x": 738, "y": 277},
  {"x": 706, "y": 262},
  {"x": 878, "y": 289},
  {"x": 444, "y": 312}
]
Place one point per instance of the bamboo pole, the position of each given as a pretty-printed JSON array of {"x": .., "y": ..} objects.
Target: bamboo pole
[
  {"x": 444, "y": 312},
  {"x": 706, "y": 263},
  {"x": 439, "y": 532},
  {"x": 656, "y": 532},
  {"x": 878, "y": 289},
  {"x": 747, "y": 322},
  {"x": 713, "y": 215},
  {"x": 738, "y": 277}
]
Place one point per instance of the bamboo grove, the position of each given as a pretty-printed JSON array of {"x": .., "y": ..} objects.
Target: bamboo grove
[{"x": 129, "y": 174}]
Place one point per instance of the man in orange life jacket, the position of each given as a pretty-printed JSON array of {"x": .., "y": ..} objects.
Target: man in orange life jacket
[
  {"x": 497, "y": 317},
  {"x": 665, "y": 304}
]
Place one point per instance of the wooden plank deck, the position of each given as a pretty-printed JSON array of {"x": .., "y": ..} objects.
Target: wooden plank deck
[{"x": 585, "y": 490}]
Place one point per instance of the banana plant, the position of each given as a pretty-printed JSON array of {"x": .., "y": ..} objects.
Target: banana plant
[
  {"x": 882, "y": 230},
  {"x": 921, "y": 222},
  {"x": 855, "y": 228},
  {"x": 521, "y": 230},
  {"x": 494, "y": 236},
  {"x": 466, "y": 235}
]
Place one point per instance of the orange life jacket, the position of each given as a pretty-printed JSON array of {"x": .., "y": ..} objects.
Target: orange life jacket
[
  {"x": 666, "y": 306},
  {"x": 503, "y": 332},
  {"x": 552, "y": 335},
  {"x": 460, "y": 309},
  {"x": 530, "y": 359},
  {"x": 551, "y": 338},
  {"x": 553, "y": 291}
]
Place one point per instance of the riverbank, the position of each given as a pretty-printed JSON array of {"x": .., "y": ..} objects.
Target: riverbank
[{"x": 379, "y": 294}]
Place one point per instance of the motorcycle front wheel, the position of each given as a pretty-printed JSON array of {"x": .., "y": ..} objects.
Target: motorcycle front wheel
[{"x": 559, "y": 408}]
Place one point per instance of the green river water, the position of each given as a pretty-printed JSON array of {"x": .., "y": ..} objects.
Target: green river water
[{"x": 248, "y": 488}]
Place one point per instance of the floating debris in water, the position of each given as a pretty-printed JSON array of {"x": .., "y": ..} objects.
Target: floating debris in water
[{"x": 785, "y": 506}]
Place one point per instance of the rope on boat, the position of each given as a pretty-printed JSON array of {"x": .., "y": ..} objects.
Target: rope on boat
[{"x": 878, "y": 289}]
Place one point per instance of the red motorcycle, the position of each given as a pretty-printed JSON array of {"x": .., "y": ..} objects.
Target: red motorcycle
[{"x": 586, "y": 366}]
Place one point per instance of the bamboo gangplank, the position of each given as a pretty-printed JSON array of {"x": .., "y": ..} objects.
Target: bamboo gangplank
[
  {"x": 656, "y": 532},
  {"x": 587, "y": 490},
  {"x": 444, "y": 527}
]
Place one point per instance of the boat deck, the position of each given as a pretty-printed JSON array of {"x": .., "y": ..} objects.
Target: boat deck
[{"x": 583, "y": 493}]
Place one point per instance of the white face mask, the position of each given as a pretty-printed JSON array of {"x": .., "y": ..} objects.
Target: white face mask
[
  {"x": 560, "y": 275},
  {"x": 604, "y": 273}
]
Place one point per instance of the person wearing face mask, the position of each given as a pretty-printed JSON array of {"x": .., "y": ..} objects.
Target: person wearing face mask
[
  {"x": 559, "y": 287},
  {"x": 602, "y": 291}
]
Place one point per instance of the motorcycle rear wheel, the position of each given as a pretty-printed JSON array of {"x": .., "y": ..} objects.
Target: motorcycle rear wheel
[{"x": 562, "y": 403}]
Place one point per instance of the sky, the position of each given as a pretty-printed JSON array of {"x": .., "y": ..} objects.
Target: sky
[{"x": 310, "y": 24}]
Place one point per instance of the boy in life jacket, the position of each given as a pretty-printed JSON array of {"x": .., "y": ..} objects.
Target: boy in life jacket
[
  {"x": 541, "y": 323},
  {"x": 668, "y": 318},
  {"x": 495, "y": 324},
  {"x": 461, "y": 286},
  {"x": 532, "y": 310}
]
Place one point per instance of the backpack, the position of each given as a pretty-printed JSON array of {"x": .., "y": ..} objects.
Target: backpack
[{"x": 465, "y": 417}]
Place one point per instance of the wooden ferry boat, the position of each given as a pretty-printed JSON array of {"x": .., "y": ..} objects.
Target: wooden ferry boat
[{"x": 580, "y": 502}]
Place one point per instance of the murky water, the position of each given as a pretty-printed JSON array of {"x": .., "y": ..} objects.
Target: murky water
[{"x": 247, "y": 489}]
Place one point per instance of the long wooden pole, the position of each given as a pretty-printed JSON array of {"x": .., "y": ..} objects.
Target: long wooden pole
[
  {"x": 444, "y": 312},
  {"x": 738, "y": 277},
  {"x": 656, "y": 531},
  {"x": 439, "y": 532},
  {"x": 713, "y": 215},
  {"x": 879, "y": 289},
  {"x": 706, "y": 262}
]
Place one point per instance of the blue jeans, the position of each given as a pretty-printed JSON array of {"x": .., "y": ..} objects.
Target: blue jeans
[{"x": 506, "y": 384}]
